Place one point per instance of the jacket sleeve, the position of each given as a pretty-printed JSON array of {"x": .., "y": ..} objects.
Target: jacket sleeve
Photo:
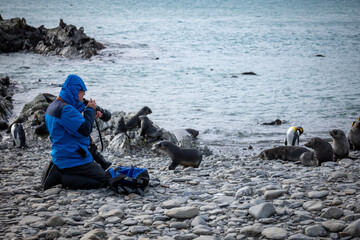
[
  {"x": 77, "y": 124},
  {"x": 87, "y": 126}
]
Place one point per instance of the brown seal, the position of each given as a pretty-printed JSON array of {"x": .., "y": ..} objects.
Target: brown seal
[
  {"x": 354, "y": 136},
  {"x": 133, "y": 122},
  {"x": 187, "y": 157},
  {"x": 148, "y": 129},
  {"x": 323, "y": 152},
  {"x": 276, "y": 122},
  {"x": 289, "y": 153},
  {"x": 193, "y": 132},
  {"x": 341, "y": 146}
]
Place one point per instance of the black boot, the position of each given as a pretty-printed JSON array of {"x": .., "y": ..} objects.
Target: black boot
[
  {"x": 51, "y": 176},
  {"x": 101, "y": 160}
]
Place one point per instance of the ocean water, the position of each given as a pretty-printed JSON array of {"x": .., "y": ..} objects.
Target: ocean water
[{"x": 184, "y": 60}]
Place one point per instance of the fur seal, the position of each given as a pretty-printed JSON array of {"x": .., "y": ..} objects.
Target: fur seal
[
  {"x": 292, "y": 136},
  {"x": 276, "y": 122},
  {"x": 148, "y": 129},
  {"x": 341, "y": 146},
  {"x": 289, "y": 153},
  {"x": 323, "y": 152},
  {"x": 193, "y": 132},
  {"x": 18, "y": 135},
  {"x": 121, "y": 128},
  {"x": 187, "y": 157},
  {"x": 181, "y": 133},
  {"x": 354, "y": 136},
  {"x": 133, "y": 122}
]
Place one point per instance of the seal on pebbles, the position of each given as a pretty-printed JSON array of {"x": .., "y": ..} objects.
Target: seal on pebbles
[
  {"x": 341, "y": 146},
  {"x": 187, "y": 157},
  {"x": 323, "y": 152},
  {"x": 289, "y": 153},
  {"x": 354, "y": 136}
]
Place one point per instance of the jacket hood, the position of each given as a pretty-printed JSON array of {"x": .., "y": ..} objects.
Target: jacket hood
[{"x": 70, "y": 91}]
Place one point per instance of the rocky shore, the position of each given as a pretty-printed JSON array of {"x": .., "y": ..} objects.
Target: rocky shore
[{"x": 227, "y": 197}]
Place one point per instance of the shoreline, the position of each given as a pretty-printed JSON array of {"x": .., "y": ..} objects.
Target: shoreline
[{"x": 227, "y": 197}]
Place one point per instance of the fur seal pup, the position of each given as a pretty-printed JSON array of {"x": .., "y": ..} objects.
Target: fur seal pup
[
  {"x": 181, "y": 133},
  {"x": 289, "y": 153},
  {"x": 354, "y": 136},
  {"x": 293, "y": 135},
  {"x": 341, "y": 146},
  {"x": 193, "y": 132},
  {"x": 276, "y": 122},
  {"x": 121, "y": 128},
  {"x": 323, "y": 152},
  {"x": 133, "y": 122},
  {"x": 148, "y": 129},
  {"x": 18, "y": 135},
  {"x": 187, "y": 157}
]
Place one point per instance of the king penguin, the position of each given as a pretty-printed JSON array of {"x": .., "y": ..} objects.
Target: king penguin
[
  {"x": 292, "y": 136},
  {"x": 18, "y": 135}
]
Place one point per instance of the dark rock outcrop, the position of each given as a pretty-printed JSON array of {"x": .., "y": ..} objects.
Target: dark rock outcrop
[
  {"x": 6, "y": 93},
  {"x": 64, "y": 40}
]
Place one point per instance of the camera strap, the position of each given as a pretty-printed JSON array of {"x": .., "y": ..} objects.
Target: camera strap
[{"x": 101, "y": 140}]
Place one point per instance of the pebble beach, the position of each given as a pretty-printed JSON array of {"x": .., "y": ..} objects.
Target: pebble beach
[
  {"x": 224, "y": 68},
  {"x": 227, "y": 197}
]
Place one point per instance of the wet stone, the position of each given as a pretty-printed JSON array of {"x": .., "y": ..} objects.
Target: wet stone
[
  {"x": 315, "y": 231},
  {"x": 333, "y": 213},
  {"x": 262, "y": 211},
  {"x": 274, "y": 233},
  {"x": 334, "y": 225},
  {"x": 318, "y": 194},
  {"x": 182, "y": 212}
]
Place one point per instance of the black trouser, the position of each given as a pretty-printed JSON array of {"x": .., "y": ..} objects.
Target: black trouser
[{"x": 87, "y": 176}]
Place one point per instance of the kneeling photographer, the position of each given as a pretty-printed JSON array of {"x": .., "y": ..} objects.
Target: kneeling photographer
[{"x": 70, "y": 123}]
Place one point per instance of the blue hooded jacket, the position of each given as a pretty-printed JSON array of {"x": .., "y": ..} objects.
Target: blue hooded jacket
[{"x": 69, "y": 129}]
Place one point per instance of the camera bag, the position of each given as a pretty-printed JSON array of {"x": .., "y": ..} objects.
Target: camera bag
[{"x": 128, "y": 180}]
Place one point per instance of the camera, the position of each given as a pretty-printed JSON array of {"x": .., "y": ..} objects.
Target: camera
[{"x": 106, "y": 115}]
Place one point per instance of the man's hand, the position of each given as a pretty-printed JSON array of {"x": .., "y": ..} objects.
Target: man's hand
[
  {"x": 98, "y": 114},
  {"x": 92, "y": 104}
]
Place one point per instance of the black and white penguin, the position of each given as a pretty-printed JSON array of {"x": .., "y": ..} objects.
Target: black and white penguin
[
  {"x": 292, "y": 136},
  {"x": 18, "y": 135}
]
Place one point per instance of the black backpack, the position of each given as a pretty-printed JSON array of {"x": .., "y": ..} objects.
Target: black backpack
[{"x": 128, "y": 179}]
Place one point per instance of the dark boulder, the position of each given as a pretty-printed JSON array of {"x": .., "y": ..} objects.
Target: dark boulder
[
  {"x": 64, "y": 40},
  {"x": 6, "y": 92}
]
